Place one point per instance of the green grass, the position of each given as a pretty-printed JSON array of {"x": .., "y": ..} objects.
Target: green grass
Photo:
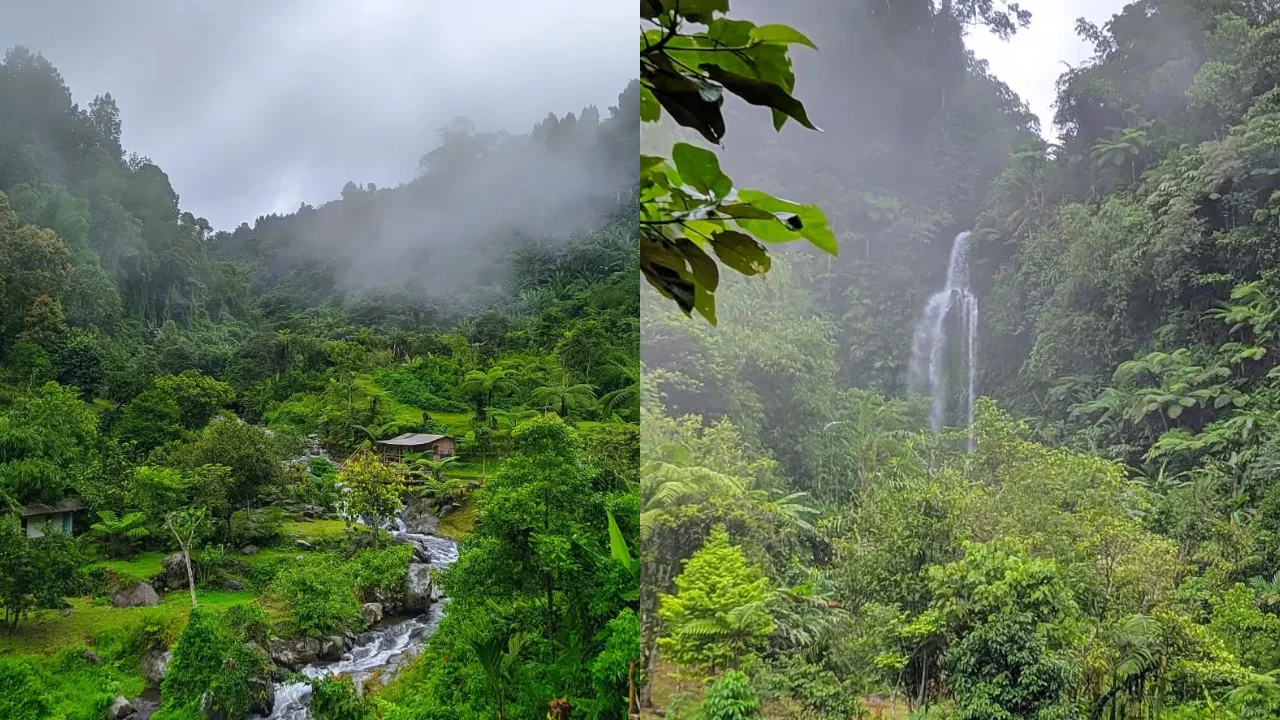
[
  {"x": 459, "y": 523},
  {"x": 315, "y": 529},
  {"x": 145, "y": 566},
  {"x": 48, "y": 632}
]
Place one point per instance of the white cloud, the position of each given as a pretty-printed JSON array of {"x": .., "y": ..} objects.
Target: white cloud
[{"x": 1032, "y": 60}]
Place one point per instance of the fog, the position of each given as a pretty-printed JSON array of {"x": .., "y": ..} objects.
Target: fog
[{"x": 253, "y": 108}]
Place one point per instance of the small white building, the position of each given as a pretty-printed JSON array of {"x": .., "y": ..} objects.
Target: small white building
[{"x": 39, "y": 520}]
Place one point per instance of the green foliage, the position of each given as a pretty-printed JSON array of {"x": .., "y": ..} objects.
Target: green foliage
[
  {"x": 198, "y": 397},
  {"x": 257, "y": 526},
  {"x": 335, "y": 698},
  {"x": 118, "y": 536},
  {"x": 47, "y": 443},
  {"x": 717, "y": 618},
  {"x": 319, "y": 595},
  {"x": 372, "y": 488},
  {"x": 36, "y": 574},
  {"x": 730, "y": 698},
  {"x": 211, "y": 658},
  {"x": 22, "y": 690},
  {"x": 691, "y": 205},
  {"x": 379, "y": 572}
]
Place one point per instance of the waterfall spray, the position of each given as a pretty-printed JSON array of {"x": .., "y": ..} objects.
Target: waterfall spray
[{"x": 929, "y": 345}]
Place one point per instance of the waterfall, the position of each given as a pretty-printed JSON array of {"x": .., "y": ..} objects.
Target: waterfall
[{"x": 929, "y": 345}]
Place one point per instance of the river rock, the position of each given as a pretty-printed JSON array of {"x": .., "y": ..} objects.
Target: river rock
[
  {"x": 331, "y": 648},
  {"x": 262, "y": 696},
  {"x": 293, "y": 652},
  {"x": 371, "y": 613},
  {"x": 120, "y": 708},
  {"x": 154, "y": 664},
  {"x": 65, "y": 612},
  {"x": 233, "y": 585},
  {"x": 302, "y": 544},
  {"x": 140, "y": 595},
  {"x": 417, "y": 586},
  {"x": 249, "y": 550},
  {"x": 175, "y": 572}
]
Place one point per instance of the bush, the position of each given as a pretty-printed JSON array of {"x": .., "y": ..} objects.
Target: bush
[
  {"x": 319, "y": 595},
  {"x": 22, "y": 690},
  {"x": 335, "y": 698},
  {"x": 210, "y": 657},
  {"x": 260, "y": 526},
  {"x": 379, "y": 573},
  {"x": 730, "y": 698},
  {"x": 248, "y": 619},
  {"x": 211, "y": 565},
  {"x": 154, "y": 628}
]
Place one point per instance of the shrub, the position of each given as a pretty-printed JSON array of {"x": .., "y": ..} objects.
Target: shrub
[
  {"x": 379, "y": 573},
  {"x": 249, "y": 620},
  {"x": 318, "y": 594},
  {"x": 211, "y": 657},
  {"x": 730, "y": 698},
  {"x": 335, "y": 698},
  {"x": 22, "y": 690},
  {"x": 261, "y": 526}
]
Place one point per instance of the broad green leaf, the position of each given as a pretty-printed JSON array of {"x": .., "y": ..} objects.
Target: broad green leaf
[
  {"x": 617, "y": 544},
  {"x": 804, "y": 221},
  {"x": 784, "y": 34},
  {"x": 649, "y": 161},
  {"x": 705, "y": 303},
  {"x": 690, "y": 100},
  {"x": 701, "y": 169},
  {"x": 760, "y": 92},
  {"x": 705, "y": 271},
  {"x": 741, "y": 252},
  {"x": 743, "y": 211},
  {"x": 650, "y": 109}
]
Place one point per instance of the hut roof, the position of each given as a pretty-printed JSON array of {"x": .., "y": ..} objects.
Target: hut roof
[
  {"x": 412, "y": 439},
  {"x": 61, "y": 506}
]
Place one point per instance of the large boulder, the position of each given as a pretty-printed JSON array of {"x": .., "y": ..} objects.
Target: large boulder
[
  {"x": 119, "y": 708},
  {"x": 331, "y": 648},
  {"x": 417, "y": 586},
  {"x": 371, "y": 613},
  {"x": 140, "y": 595},
  {"x": 154, "y": 664},
  {"x": 293, "y": 652},
  {"x": 175, "y": 572}
]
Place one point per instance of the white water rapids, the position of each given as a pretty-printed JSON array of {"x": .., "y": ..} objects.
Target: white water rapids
[
  {"x": 379, "y": 649},
  {"x": 929, "y": 345},
  {"x": 384, "y": 649}
]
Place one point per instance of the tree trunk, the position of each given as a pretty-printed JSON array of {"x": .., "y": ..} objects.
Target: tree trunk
[{"x": 191, "y": 578}]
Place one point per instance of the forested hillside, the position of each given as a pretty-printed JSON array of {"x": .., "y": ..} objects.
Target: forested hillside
[
  {"x": 1108, "y": 549},
  {"x": 191, "y": 423}
]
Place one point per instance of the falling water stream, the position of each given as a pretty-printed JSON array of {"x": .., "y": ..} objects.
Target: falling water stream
[
  {"x": 384, "y": 649},
  {"x": 381, "y": 650},
  {"x": 929, "y": 345}
]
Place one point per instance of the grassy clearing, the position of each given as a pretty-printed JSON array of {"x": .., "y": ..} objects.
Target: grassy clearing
[
  {"x": 48, "y": 632},
  {"x": 315, "y": 529},
  {"x": 144, "y": 566},
  {"x": 459, "y": 523}
]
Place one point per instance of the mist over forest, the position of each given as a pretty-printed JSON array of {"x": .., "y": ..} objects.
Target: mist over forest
[
  {"x": 372, "y": 457},
  {"x": 1076, "y": 516}
]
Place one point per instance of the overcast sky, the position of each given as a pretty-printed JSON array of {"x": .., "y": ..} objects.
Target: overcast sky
[
  {"x": 253, "y": 107},
  {"x": 1031, "y": 61}
]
